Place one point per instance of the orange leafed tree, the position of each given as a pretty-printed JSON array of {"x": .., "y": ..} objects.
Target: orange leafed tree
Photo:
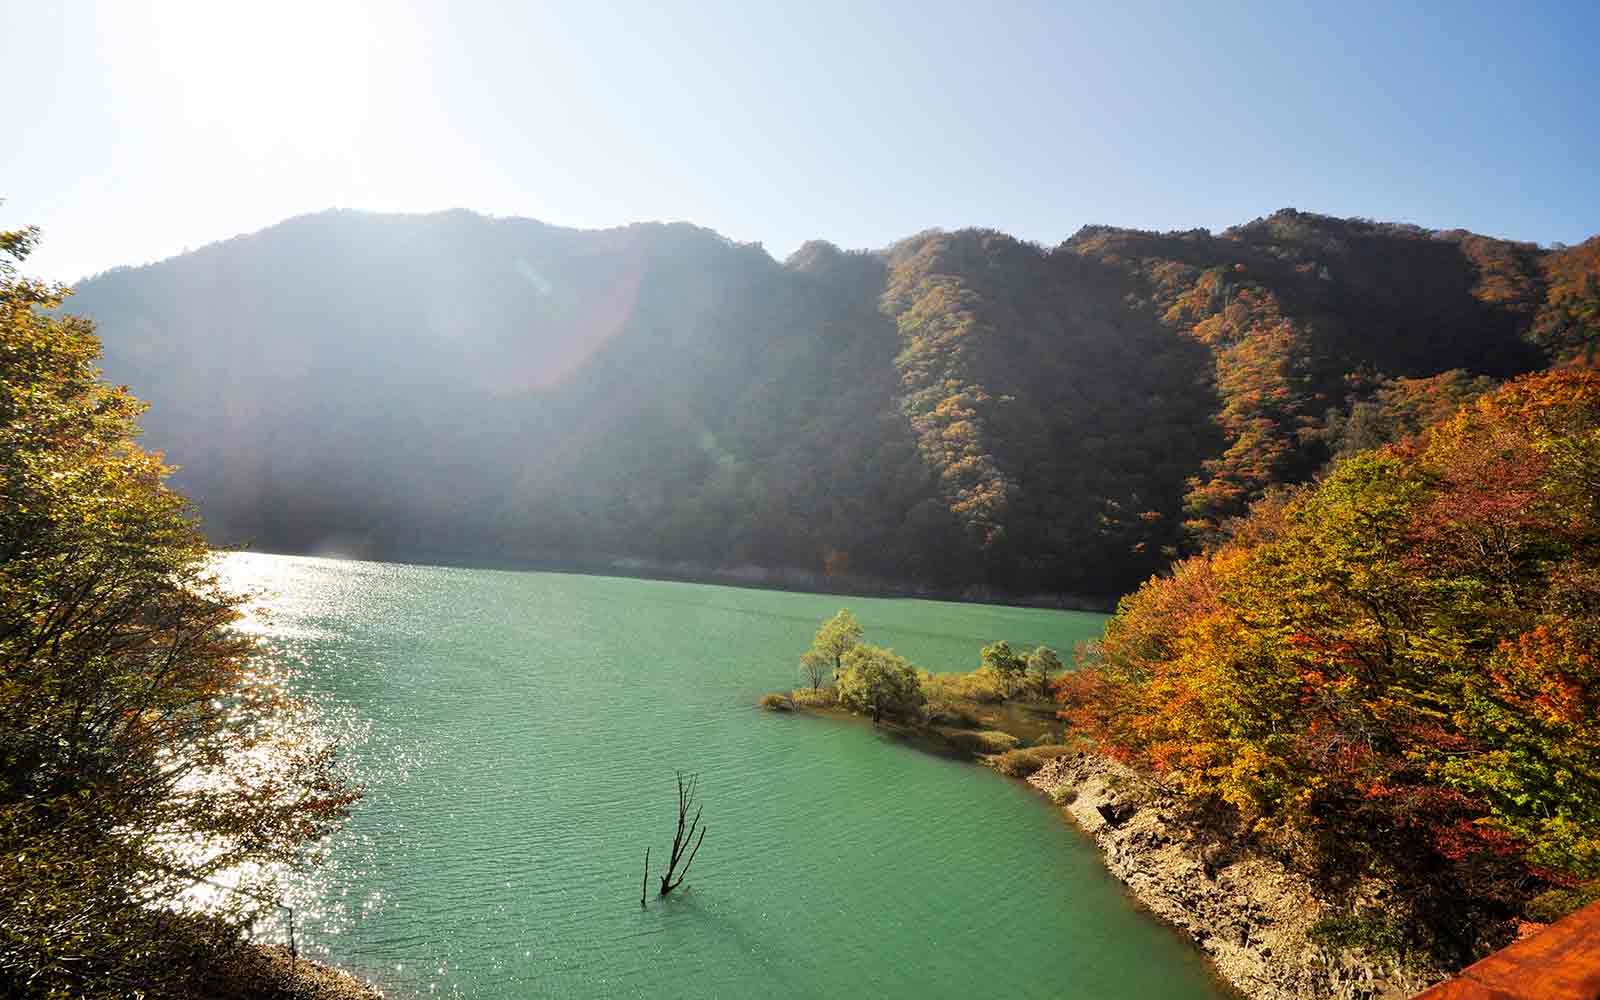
[
  {"x": 1395, "y": 669},
  {"x": 1568, "y": 322}
]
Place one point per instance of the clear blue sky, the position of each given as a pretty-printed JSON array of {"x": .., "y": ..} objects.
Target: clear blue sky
[{"x": 137, "y": 129}]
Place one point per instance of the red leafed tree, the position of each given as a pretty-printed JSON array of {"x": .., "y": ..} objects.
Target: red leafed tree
[{"x": 1393, "y": 672}]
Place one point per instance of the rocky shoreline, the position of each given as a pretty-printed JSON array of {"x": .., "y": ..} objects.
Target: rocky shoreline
[
  {"x": 1246, "y": 911},
  {"x": 269, "y": 972}
]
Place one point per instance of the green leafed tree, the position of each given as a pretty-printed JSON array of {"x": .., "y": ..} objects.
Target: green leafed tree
[
  {"x": 1005, "y": 663},
  {"x": 136, "y": 725},
  {"x": 879, "y": 682},
  {"x": 836, "y": 637},
  {"x": 1043, "y": 662}
]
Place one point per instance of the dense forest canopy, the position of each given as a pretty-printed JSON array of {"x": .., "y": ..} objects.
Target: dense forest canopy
[
  {"x": 961, "y": 411},
  {"x": 1391, "y": 674}
]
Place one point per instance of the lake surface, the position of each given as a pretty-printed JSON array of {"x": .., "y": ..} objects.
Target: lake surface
[{"x": 518, "y": 735}]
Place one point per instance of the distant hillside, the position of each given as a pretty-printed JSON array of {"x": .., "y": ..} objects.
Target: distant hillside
[{"x": 960, "y": 411}]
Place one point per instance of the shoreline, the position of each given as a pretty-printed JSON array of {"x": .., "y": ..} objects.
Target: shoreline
[
  {"x": 316, "y": 980},
  {"x": 1245, "y": 913},
  {"x": 257, "y": 971},
  {"x": 749, "y": 577},
  {"x": 1249, "y": 914}
]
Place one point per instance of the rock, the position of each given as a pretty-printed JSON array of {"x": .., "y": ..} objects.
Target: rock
[
  {"x": 1247, "y": 912},
  {"x": 1116, "y": 813}
]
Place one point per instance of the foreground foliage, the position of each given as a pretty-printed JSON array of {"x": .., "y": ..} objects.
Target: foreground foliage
[
  {"x": 1393, "y": 673},
  {"x": 142, "y": 742}
]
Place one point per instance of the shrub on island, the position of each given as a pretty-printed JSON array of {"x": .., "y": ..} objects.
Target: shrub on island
[
  {"x": 878, "y": 682},
  {"x": 980, "y": 741},
  {"x": 813, "y": 698},
  {"x": 947, "y": 712},
  {"x": 978, "y": 686}
]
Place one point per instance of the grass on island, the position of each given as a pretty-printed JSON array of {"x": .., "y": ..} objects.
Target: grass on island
[
  {"x": 980, "y": 742},
  {"x": 968, "y": 714},
  {"x": 799, "y": 698}
]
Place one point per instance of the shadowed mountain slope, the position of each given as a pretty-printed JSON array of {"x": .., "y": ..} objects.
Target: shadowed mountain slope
[{"x": 960, "y": 412}]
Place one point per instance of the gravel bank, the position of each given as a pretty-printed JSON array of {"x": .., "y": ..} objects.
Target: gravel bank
[{"x": 1246, "y": 911}]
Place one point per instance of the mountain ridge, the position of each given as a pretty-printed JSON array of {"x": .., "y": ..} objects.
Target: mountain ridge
[{"x": 957, "y": 410}]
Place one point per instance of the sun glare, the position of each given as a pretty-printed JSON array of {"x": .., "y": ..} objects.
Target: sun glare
[{"x": 281, "y": 78}]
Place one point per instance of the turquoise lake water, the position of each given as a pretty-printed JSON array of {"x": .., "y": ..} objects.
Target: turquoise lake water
[{"x": 518, "y": 735}]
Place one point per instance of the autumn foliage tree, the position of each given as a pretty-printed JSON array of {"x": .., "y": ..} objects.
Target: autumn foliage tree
[
  {"x": 1393, "y": 672},
  {"x": 143, "y": 741},
  {"x": 1567, "y": 325}
]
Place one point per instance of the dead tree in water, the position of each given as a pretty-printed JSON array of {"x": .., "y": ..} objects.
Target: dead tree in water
[
  {"x": 645, "y": 880},
  {"x": 681, "y": 839}
]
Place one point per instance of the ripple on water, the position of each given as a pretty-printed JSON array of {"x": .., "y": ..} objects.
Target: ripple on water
[{"x": 517, "y": 734}]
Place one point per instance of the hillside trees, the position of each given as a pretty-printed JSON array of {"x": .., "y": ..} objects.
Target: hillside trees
[
  {"x": 1053, "y": 423},
  {"x": 1384, "y": 410},
  {"x": 1567, "y": 326},
  {"x": 140, "y": 735},
  {"x": 1301, "y": 314},
  {"x": 961, "y": 412},
  {"x": 1394, "y": 671}
]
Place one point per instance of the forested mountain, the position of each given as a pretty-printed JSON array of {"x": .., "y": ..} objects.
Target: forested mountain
[{"x": 961, "y": 410}]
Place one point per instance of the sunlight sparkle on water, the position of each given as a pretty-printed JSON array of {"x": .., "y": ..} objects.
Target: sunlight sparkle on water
[{"x": 517, "y": 735}]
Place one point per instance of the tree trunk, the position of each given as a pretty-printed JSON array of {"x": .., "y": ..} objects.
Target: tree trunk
[{"x": 684, "y": 834}]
